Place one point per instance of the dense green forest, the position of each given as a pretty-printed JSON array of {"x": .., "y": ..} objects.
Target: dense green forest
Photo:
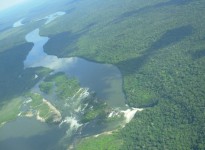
[
  {"x": 158, "y": 46},
  {"x": 102, "y": 142}
]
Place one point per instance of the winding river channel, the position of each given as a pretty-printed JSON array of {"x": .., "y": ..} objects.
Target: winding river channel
[{"x": 104, "y": 79}]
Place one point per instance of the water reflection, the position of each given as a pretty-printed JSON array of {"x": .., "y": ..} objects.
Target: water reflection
[
  {"x": 29, "y": 134},
  {"x": 104, "y": 79}
]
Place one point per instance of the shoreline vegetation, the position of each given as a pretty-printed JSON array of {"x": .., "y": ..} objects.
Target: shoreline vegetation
[
  {"x": 32, "y": 105},
  {"x": 161, "y": 61},
  {"x": 158, "y": 47},
  {"x": 6, "y": 113},
  {"x": 42, "y": 110},
  {"x": 87, "y": 107}
]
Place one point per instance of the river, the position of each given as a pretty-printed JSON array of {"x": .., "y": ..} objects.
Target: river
[{"x": 104, "y": 79}]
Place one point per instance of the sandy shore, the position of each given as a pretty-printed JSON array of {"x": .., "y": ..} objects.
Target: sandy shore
[
  {"x": 57, "y": 115},
  {"x": 40, "y": 118},
  {"x": 104, "y": 133},
  {"x": 130, "y": 113},
  {"x": 29, "y": 114}
]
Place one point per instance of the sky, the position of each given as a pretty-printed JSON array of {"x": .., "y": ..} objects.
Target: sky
[{"x": 6, "y": 4}]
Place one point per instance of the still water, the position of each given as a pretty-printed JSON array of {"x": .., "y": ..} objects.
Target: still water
[
  {"x": 30, "y": 134},
  {"x": 104, "y": 79}
]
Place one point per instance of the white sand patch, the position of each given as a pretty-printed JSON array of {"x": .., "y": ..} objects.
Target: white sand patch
[
  {"x": 104, "y": 133},
  {"x": 57, "y": 115},
  {"x": 28, "y": 100},
  {"x": 18, "y": 23},
  {"x": 29, "y": 114},
  {"x": 36, "y": 76},
  {"x": 70, "y": 147},
  {"x": 40, "y": 118},
  {"x": 19, "y": 114},
  {"x": 111, "y": 114},
  {"x": 130, "y": 113}
]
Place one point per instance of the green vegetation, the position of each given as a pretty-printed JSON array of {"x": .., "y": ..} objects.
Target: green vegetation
[
  {"x": 64, "y": 86},
  {"x": 39, "y": 106},
  {"x": 46, "y": 87},
  {"x": 166, "y": 126},
  {"x": 102, "y": 142},
  {"x": 36, "y": 99},
  {"x": 15, "y": 80},
  {"x": 96, "y": 109},
  {"x": 159, "y": 48},
  {"x": 68, "y": 89},
  {"x": 6, "y": 113}
]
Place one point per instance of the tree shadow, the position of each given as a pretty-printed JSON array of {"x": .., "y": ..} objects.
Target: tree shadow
[
  {"x": 64, "y": 43},
  {"x": 147, "y": 9},
  {"x": 170, "y": 37},
  {"x": 57, "y": 43},
  {"x": 14, "y": 79},
  {"x": 198, "y": 54}
]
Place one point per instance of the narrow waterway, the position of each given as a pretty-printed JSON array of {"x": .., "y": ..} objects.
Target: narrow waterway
[{"x": 104, "y": 79}]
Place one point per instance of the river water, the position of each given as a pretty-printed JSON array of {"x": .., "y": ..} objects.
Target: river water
[{"x": 104, "y": 79}]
